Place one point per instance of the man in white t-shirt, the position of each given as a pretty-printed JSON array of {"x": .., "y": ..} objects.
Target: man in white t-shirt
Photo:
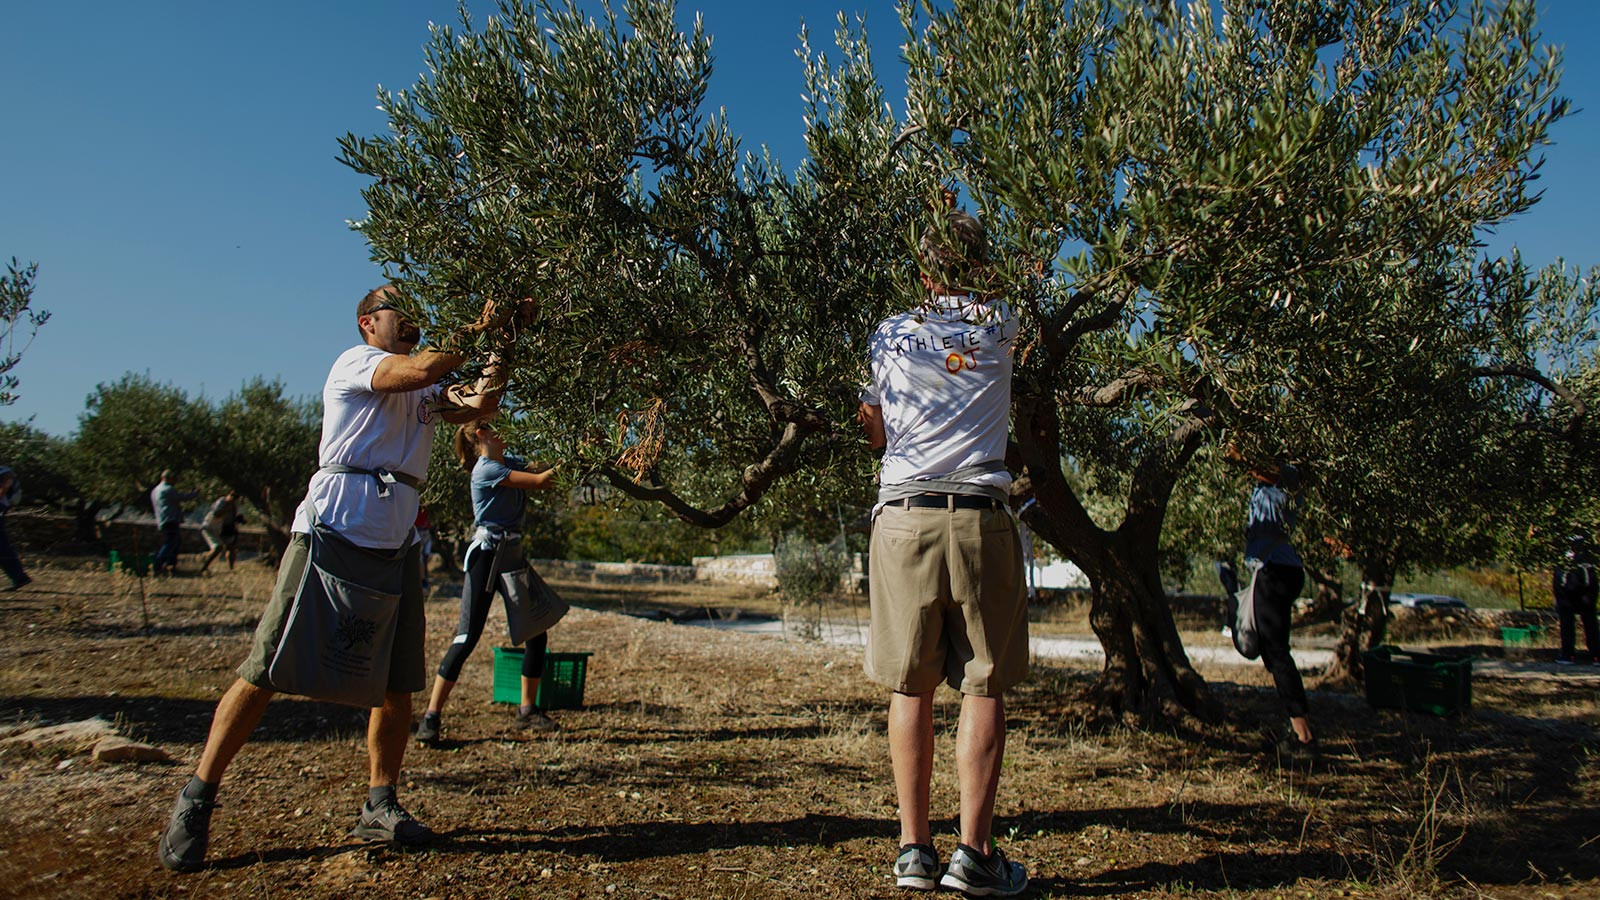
[
  {"x": 948, "y": 601},
  {"x": 380, "y": 404}
]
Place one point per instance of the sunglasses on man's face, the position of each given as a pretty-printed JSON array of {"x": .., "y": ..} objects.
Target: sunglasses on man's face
[{"x": 383, "y": 306}]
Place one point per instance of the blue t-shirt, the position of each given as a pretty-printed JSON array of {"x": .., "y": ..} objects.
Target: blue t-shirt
[
  {"x": 493, "y": 503},
  {"x": 1266, "y": 529}
]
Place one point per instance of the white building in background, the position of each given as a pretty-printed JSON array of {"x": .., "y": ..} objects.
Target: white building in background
[
  {"x": 1056, "y": 576},
  {"x": 1052, "y": 576}
]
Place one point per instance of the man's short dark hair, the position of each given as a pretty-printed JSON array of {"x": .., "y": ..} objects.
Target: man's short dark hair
[
  {"x": 954, "y": 250},
  {"x": 376, "y": 297}
]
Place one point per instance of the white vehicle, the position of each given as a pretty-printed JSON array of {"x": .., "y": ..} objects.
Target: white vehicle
[{"x": 1426, "y": 601}]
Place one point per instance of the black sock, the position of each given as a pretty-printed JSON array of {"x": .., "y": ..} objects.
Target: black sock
[
  {"x": 430, "y": 714},
  {"x": 376, "y": 795},
  {"x": 200, "y": 790}
]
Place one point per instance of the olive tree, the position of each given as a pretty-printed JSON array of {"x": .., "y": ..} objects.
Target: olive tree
[
  {"x": 701, "y": 312},
  {"x": 133, "y": 428},
  {"x": 263, "y": 445},
  {"x": 1179, "y": 194},
  {"x": 257, "y": 442}
]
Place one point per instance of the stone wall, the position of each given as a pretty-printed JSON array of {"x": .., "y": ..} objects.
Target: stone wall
[
  {"x": 41, "y": 532},
  {"x": 614, "y": 572},
  {"x": 754, "y": 569}
]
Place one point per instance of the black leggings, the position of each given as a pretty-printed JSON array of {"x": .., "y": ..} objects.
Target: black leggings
[
  {"x": 1277, "y": 586},
  {"x": 477, "y": 593}
]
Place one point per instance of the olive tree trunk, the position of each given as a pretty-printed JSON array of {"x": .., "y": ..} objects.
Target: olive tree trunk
[
  {"x": 1147, "y": 671},
  {"x": 1363, "y": 626}
]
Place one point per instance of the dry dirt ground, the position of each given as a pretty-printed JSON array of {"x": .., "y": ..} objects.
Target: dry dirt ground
[{"x": 716, "y": 765}]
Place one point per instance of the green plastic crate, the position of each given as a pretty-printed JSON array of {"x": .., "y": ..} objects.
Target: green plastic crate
[
  {"x": 1421, "y": 682},
  {"x": 132, "y": 563},
  {"x": 1513, "y": 636},
  {"x": 560, "y": 687}
]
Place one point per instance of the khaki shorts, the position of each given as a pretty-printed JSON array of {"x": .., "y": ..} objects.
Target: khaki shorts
[
  {"x": 407, "y": 669},
  {"x": 948, "y": 601}
]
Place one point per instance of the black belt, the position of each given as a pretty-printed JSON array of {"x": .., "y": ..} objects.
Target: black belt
[{"x": 946, "y": 501}]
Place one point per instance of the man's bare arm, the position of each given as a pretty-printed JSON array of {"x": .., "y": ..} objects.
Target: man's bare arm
[
  {"x": 871, "y": 418},
  {"x": 397, "y": 374}
]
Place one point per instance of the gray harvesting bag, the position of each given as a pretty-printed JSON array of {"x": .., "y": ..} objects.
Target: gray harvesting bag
[
  {"x": 532, "y": 607},
  {"x": 337, "y": 641},
  {"x": 1245, "y": 639}
]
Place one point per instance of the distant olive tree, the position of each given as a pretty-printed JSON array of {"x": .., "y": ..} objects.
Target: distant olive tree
[
  {"x": 19, "y": 322},
  {"x": 132, "y": 429},
  {"x": 263, "y": 445}
]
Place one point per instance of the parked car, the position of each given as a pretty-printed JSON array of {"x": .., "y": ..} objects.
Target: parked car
[{"x": 1426, "y": 601}]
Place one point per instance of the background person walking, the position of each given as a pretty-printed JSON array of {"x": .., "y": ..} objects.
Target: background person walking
[
  {"x": 1268, "y": 524},
  {"x": 220, "y": 528},
  {"x": 499, "y": 501},
  {"x": 167, "y": 501},
  {"x": 948, "y": 599}
]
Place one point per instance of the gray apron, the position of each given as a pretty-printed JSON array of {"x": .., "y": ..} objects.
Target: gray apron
[{"x": 339, "y": 636}]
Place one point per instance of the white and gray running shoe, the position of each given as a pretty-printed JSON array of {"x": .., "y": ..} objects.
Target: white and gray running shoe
[
  {"x": 183, "y": 844},
  {"x": 390, "y": 822},
  {"x": 917, "y": 868},
  {"x": 976, "y": 875}
]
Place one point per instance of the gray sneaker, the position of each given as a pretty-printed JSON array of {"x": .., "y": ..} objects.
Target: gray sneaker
[
  {"x": 976, "y": 875},
  {"x": 428, "y": 729},
  {"x": 917, "y": 868},
  {"x": 536, "y": 720},
  {"x": 390, "y": 822},
  {"x": 183, "y": 844}
]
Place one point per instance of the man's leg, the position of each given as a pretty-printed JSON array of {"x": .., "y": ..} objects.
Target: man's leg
[
  {"x": 980, "y": 747},
  {"x": 911, "y": 753},
  {"x": 1566, "y": 614},
  {"x": 188, "y": 832},
  {"x": 237, "y": 715},
  {"x": 174, "y": 538},
  {"x": 389, "y": 726},
  {"x": 388, "y": 730},
  {"x": 382, "y": 817},
  {"x": 9, "y": 561},
  {"x": 1591, "y": 628}
]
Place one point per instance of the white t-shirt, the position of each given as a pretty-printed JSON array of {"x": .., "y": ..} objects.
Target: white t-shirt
[
  {"x": 370, "y": 430},
  {"x": 942, "y": 376}
]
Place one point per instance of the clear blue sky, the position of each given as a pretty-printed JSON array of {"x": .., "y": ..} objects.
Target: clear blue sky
[{"x": 171, "y": 167}]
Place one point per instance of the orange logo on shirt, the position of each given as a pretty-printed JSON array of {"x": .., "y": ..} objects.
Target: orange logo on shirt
[{"x": 955, "y": 362}]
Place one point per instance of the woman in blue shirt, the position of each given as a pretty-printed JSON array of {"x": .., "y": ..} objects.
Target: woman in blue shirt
[
  {"x": 1270, "y": 520},
  {"x": 499, "y": 499}
]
